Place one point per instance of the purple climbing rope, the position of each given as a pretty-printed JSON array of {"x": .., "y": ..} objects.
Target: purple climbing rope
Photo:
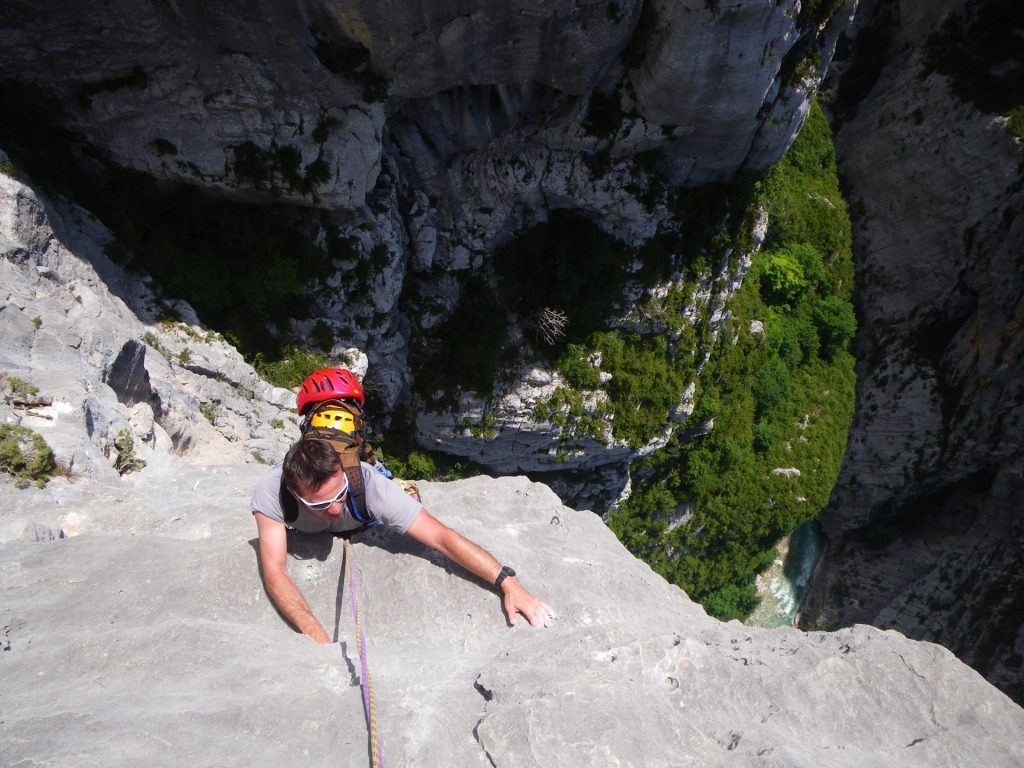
[{"x": 369, "y": 705}]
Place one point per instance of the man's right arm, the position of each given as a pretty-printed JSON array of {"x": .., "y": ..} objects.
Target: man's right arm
[{"x": 284, "y": 593}]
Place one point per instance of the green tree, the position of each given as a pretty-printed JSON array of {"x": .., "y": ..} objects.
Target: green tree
[
  {"x": 773, "y": 384},
  {"x": 836, "y": 324},
  {"x": 732, "y": 602},
  {"x": 783, "y": 281},
  {"x": 810, "y": 260}
]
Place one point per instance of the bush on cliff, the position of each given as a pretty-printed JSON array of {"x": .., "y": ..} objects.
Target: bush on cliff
[
  {"x": 780, "y": 396},
  {"x": 25, "y": 455}
]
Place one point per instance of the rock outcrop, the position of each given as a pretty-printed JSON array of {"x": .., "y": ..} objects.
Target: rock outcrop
[
  {"x": 135, "y": 624},
  {"x": 118, "y": 380},
  {"x": 201, "y": 93},
  {"x": 925, "y": 526},
  {"x": 432, "y": 132}
]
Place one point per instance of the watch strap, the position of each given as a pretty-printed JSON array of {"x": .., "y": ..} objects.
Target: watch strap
[{"x": 505, "y": 572}]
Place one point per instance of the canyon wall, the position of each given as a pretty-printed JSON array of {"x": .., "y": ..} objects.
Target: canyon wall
[
  {"x": 423, "y": 136},
  {"x": 925, "y": 525},
  {"x": 134, "y": 625}
]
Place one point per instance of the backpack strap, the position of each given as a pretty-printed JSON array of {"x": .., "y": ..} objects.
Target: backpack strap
[
  {"x": 357, "y": 438},
  {"x": 344, "y": 446},
  {"x": 356, "y": 502},
  {"x": 290, "y": 507},
  {"x": 351, "y": 447}
]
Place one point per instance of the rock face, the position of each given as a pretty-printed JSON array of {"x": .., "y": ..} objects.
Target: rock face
[
  {"x": 77, "y": 327},
  {"x": 135, "y": 626},
  {"x": 925, "y": 526},
  {"x": 148, "y": 634},
  {"x": 431, "y": 132},
  {"x": 203, "y": 94},
  {"x": 177, "y": 91}
]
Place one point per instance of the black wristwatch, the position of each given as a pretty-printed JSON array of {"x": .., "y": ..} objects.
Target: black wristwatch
[{"x": 505, "y": 571}]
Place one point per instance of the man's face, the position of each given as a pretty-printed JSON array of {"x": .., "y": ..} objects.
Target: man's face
[{"x": 328, "y": 500}]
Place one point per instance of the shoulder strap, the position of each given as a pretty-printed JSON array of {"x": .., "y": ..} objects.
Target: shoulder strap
[
  {"x": 347, "y": 449},
  {"x": 358, "y": 510},
  {"x": 351, "y": 447},
  {"x": 289, "y": 506}
]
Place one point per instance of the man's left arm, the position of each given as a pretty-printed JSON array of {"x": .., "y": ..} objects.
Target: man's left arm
[{"x": 428, "y": 530}]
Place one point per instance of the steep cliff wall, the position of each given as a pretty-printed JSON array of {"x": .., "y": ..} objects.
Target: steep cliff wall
[
  {"x": 423, "y": 136},
  {"x": 199, "y": 93},
  {"x": 133, "y": 622},
  {"x": 925, "y": 526},
  {"x": 112, "y": 380}
]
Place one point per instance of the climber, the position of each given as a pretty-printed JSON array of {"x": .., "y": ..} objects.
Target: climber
[{"x": 322, "y": 497}]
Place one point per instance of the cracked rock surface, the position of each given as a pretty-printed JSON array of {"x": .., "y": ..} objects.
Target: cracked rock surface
[
  {"x": 147, "y": 638},
  {"x": 135, "y": 628}
]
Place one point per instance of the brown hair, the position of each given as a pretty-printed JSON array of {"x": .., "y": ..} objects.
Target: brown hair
[{"x": 309, "y": 464}]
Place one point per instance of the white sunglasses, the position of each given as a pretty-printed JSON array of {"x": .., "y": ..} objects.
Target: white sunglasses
[{"x": 320, "y": 506}]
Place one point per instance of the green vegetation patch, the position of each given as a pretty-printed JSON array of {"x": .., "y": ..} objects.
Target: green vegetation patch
[
  {"x": 646, "y": 382},
  {"x": 289, "y": 367},
  {"x": 25, "y": 455},
  {"x": 818, "y": 12},
  {"x": 278, "y": 168},
  {"x": 780, "y": 392},
  {"x": 125, "y": 458},
  {"x": 406, "y": 460},
  {"x": 981, "y": 52},
  {"x": 21, "y": 389}
]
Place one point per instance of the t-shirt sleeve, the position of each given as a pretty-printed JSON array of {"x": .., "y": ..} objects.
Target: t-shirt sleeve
[
  {"x": 266, "y": 496},
  {"x": 388, "y": 502}
]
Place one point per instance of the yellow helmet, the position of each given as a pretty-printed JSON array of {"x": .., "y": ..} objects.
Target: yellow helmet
[{"x": 334, "y": 418}]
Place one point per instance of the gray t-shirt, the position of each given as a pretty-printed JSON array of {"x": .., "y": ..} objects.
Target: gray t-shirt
[{"x": 384, "y": 498}]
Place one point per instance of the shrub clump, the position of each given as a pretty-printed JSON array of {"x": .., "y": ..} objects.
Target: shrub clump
[
  {"x": 290, "y": 369},
  {"x": 25, "y": 455},
  {"x": 125, "y": 459}
]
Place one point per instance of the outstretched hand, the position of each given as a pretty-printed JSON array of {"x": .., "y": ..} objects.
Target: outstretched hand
[{"x": 518, "y": 601}]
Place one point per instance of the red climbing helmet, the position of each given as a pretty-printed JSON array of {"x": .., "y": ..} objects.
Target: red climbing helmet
[{"x": 329, "y": 384}]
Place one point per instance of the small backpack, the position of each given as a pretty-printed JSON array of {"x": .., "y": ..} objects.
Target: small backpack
[{"x": 342, "y": 424}]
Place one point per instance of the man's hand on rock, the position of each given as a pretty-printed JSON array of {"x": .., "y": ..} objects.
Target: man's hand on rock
[{"x": 517, "y": 600}]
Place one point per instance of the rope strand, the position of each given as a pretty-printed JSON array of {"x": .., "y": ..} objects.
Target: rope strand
[{"x": 369, "y": 703}]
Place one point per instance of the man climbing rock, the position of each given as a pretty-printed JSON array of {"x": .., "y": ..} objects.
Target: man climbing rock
[{"x": 323, "y": 486}]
